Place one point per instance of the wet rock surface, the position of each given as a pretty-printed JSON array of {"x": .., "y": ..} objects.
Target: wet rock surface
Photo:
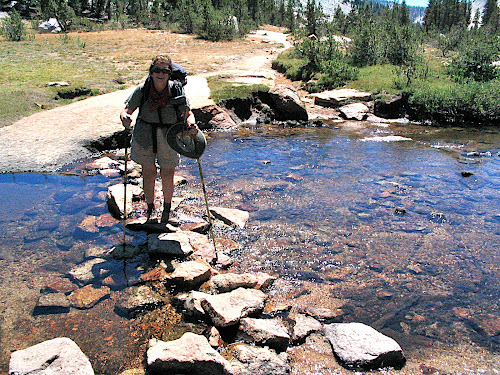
[
  {"x": 137, "y": 300},
  {"x": 172, "y": 245},
  {"x": 359, "y": 346},
  {"x": 252, "y": 360},
  {"x": 227, "y": 309},
  {"x": 52, "y": 303},
  {"x": 88, "y": 296},
  {"x": 264, "y": 332},
  {"x": 373, "y": 277},
  {"x": 191, "y": 353},
  {"x": 56, "y": 356},
  {"x": 231, "y": 216}
]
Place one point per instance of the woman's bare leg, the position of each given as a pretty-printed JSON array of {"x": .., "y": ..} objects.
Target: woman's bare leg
[
  {"x": 149, "y": 178},
  {"x": 167, "y": 183}
]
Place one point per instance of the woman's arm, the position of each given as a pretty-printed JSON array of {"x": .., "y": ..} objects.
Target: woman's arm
[{"x": 125, "y": 117}]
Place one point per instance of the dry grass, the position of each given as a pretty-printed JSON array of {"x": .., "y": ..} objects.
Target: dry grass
[{"x": 102, "y": 61}]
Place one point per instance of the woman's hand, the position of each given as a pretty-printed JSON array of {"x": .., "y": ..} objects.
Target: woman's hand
[
  {"x": 193, "y": 128},
  {"x": 191, "y": 122},
  {"x": 126, "y": 118}
]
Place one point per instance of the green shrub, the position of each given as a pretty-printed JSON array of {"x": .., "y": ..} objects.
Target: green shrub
[
  {"x": 13, "y": 28},
  {"x": 290, "y": 65},
  {"x": 216, "y": 25},
  {"x": 322, "y": 63},
  {"x": 475, "y": 61},
  {"x": 457, "y": 104},
  {"x": 365, "y": 46},
  {"x": 334, "y": 73}
]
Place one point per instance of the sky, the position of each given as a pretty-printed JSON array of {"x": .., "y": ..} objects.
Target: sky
[{"x": 417, "y": 3}]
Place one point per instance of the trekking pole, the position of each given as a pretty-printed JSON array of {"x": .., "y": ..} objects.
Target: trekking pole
[
  {"x": 125, "y": 188},
  {"x": 206, "y": 204}
]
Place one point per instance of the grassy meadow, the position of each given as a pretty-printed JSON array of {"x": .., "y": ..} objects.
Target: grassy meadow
[{"x": 101, "y": 61}]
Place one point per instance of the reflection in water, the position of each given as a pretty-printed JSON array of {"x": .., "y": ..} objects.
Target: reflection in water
[{"x": 393, "y": 229}]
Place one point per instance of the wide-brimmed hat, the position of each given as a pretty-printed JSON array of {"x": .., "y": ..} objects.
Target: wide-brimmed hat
[{"x": 184, "y": 142}]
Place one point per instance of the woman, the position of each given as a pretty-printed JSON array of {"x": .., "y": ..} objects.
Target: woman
[{"x": 158, "y": 110}]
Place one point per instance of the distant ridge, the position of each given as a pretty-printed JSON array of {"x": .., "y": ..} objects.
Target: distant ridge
[
  {"x": 416, "y": 13},
  {"x": 329, "y": 7}
]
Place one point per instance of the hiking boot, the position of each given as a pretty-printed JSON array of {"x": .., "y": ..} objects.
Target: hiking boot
[
  {"x": 165, "y": 216},
  {"x": 149, "y": 213}
]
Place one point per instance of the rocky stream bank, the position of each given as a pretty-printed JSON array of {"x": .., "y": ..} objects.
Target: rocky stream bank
[
  {"x": 178, "y": 265},
  {"x": 243, "y": 330}
]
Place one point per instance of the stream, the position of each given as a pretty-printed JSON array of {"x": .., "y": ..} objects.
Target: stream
[{"x": 400, "y": 233}]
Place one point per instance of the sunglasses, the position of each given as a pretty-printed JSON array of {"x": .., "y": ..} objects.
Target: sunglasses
[{"x": 157, "y": 69}]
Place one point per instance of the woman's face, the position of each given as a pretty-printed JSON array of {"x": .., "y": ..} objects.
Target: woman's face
[{"x": 161, "y": 74}]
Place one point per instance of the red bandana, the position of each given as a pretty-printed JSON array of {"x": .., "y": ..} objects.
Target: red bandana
[{"x": 156, "y": 99}]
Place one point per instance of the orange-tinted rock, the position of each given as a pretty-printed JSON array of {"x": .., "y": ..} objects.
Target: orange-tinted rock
[
  {"x": 201, "y": 227},
  {"x": 156, "y": 274},
  {"x": 88, "y": 225},
  {"x": 61, "y": 285},
  {"x": 105, "y": 220},
  {"x": 88, "y": 296}
]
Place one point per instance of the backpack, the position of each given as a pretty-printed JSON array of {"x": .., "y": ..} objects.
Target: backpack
[{"x": 178, "y": 76}]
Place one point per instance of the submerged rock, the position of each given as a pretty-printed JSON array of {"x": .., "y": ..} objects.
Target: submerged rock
[
  {"x": 52, "y": 303},
  {"x": 88, "y": 271},
  {"x": 57, "y": 356},
  {"x": 136, "y": 300},
  {"x": 325, "y": 315},
  {"x": 59, "y": 285},
  {"x": 359, "y": 346},
  {"x": 191, "y": 354},
  {"x": 88, "y": 296},
  {"x": 125, "y": 251}
]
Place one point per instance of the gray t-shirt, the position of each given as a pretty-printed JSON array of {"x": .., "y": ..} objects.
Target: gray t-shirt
[{"x": 168, "y": 113}]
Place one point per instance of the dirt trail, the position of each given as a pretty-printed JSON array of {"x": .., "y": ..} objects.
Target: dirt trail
[{"x": 46, "y": 141}]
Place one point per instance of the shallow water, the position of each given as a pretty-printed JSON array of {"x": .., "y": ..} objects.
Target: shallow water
[{"x": 405, "y": 234}]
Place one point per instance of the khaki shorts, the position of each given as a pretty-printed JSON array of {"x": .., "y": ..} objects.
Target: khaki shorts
[{"x": 142, "y": 147}]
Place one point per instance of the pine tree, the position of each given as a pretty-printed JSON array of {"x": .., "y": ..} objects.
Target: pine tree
[
  {"x": 340, "y": 21},
  {"x": 490, "y": 16},
  {"x": 290, "y": 18},
  {"x": 312, "y": 14}
]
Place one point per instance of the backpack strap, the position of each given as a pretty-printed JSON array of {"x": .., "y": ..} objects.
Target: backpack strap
[{"x": 145, "y": 91}]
